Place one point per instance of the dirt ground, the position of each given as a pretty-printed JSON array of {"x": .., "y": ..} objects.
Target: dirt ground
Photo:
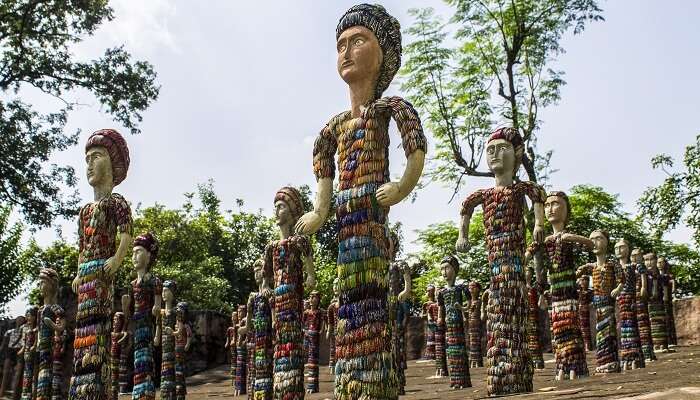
[{"x": 673, "y": 376}]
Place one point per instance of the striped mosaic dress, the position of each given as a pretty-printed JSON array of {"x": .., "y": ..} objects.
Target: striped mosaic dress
[
  {"x": 365, "y": 366},
  {"x": 262, "y": 329},
  {"x": 642, "y": 308},
  {"x": 630, "y": 345},
  {"x": 657, "y": 312},
  {"x": 184, "y": 332},
  {"x": 585, "y": 298},
  {"x": 312, "y": 331},
  {"x": 284, "y": 259},
  {"x": 30, "y": 336},
  {"x": 167, "y": 345},
  {"x": 44, "y": 381},
  {"x": 440, "y": 344},
  {"x": 533, "y": 329},
  {"x": 58, "y": 349},
  {"x": 399, "y": 311},
  {"x": 98, "y": 226},
  {"x": 143, "y": 295},
  {"x": 670, "y": 318},
  {"x": 429, "y": 353},
  {"x": 606, "y": 328},
  {"x": 331, "y": 320},
  {"x": 508, "y": 362},
  {"x": 475, "y": 332},
  {"x": 456, "y": 349}
]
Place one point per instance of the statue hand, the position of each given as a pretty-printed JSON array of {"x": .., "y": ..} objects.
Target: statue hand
[
  {"x": 267, "y": 292},
  {"x": 124, "y": 336},
  {"x": 309, "y": 223},
  {"x": 403, "y": 296},
  {"x": 615, "y": 292},
  {"x": 462, "y": 245},
  {"x": 538, "y": 234},
  {"x": 76, "y": 284},
  {"x": 110, "y": 267},
  {"x": 389, "y": 194},
  {"x": 48, "y": 321},
  {"x": 155, "y": 311}
]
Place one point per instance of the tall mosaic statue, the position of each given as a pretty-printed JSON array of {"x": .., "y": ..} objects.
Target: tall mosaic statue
[
  {"x": 475, "y": 325},
  {"x": 51, "y": 322},
  {"x": 183, "y": 340},
  {"x": 429, "y": 312},
  {"x": 509, "y": 368},
  {"x": 657, "y": 307},
  {"x": 368, "y": 44},
  {"x": 118, "y": 344},
  {"x": 643, "y": 289},
  {"x": 450, "y": 301},
  {"x": 99, "y": 224},
  {"x": 631, "y": 356},
  {"x": 28, "y": 353},
  {"x": 165, "y": 339},
  {"x": 313, "y": 323},
  {"x": 399, "y": 293}
]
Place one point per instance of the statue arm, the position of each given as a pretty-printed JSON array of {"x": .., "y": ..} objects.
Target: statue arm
[
  {"x": 114, "y": 262},
  {"x": 392, "y": 193},
  {"x": 578, "y": 239},
  {"x": 312, "y": 221}
]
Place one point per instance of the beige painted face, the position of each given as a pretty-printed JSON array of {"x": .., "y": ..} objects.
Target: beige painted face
[
  {"x": 650, "y": 261},
  {"x": 168, "y": 295},
  {"x": 259, "y": 274},
  {"x": 622, "y": 249},
  {"x": 663, "y": 265},
  {"x": 600, "y": 243},
  {"x": 636, "y": 256},
  {"x": 500, "y": 156},
  {"x": 359, "y": 55},
  {"x": 99, "y": 166},
  {"x": 447, "y": 271},
  {"x": 283, "y": 214},
  {"x": 555, "y": 209},
  {"x": 140, "y": 258}
]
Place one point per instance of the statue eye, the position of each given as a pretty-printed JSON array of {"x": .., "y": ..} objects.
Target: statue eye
[
  {"x": 341, "y": 48},
  {"x": 358, "y": 41}
]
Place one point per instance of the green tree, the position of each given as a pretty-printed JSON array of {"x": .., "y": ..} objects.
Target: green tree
[
  {"x": 499, "y": 71},
  {"x": 36, "y": 37},
  {"x": 11, "y": 260}
]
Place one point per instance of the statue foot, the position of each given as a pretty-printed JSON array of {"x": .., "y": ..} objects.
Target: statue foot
[{"x": 572, "y": 375}]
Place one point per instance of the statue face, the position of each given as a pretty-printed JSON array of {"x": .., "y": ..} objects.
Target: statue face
[
  {"x": 45, "y": 286},
  {"x": 283, "y": 214},
  {"x": 140, "y": 257},
  {"x": 474, "y": 291},
  {"x": 448, "y": 272},
  {"x": 500, "y": 156},
  {"x": 431, "y": 293},
  {"x": 662, "y": 264},
  {"x": 650, "y": 261},
  {"x": 636, "y": 256},
  {"x": 99, "y": 166},
  {"x": 555, "y": 209},
  {"x": 600, "y": 243},
  {"x": 31, "y": 318},
  {"x": 583, "y": 282},
  {"x": 241, "y": 313},
  {"x": 259, "y": 275},
  {"x": 359, "y": 55},
  {"x": 622, "y": 249},
  {"x": 234, "y": 317},
  {"x": 336, "y": 289},
  {"x": 168, "y": 295},
  {"x": 313, "y": 301}
]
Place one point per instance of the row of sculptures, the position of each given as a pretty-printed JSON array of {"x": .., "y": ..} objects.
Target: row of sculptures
[{"x": 368, "y": 46}]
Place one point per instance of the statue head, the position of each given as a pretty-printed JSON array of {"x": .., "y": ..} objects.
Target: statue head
[
  {"x": 107, "y": 158},
  {"x": 242, "y": 312},
  {"x": 234, "y": 317},
  {"x": 474, "y": 289},
  {"x": 288, "y": 206},
  {"x": 557, "y": 207},
  {"x": 118, "y": 321},
  {"x": 600, "y": 239},
  {"x": 336, "y": 287},
  {"x": 622, "y": 249},
  {"x": 181, "y": 311},
  {"x": 20, "y": 320},
  {"x": 449, "y": 266},
  {"x": 583, "y": 282},
  {"x": 650, "y": 261},
  {"x": 169, "y": 288},
  {"x": 145, "y": 252},
  {"x": 48, "y": 281},
  {"x": 259, "y": 271},
  {"x": 504, "y": 151},
  {"x": 31, "y": 315},
  {"x": 368, "y": 41},
  {"x": 636, "y": 255},
  {"x": 430, "y": 291},
  {"x": 662, "y": 264},
  {"x": 314, "y": 299}
]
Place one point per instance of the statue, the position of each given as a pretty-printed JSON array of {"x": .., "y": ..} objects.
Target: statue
[
  {"x": 183, "y": 340},
  {"x": 231, "y": 340},
  {"x": 440, "y": 343},
  {"x": 12, "y": 365},
  {"x": 107, "y": 158},
  {"x": 51, "y": 322},
  {"x": 475, "y": 325},
  {"x": 118, "y": 339},
  {"x": 241, "y": 353},
  {"x": 331, "y": 323},
  {"x": 642, "y": 289},
  {"x": 507, "y": 356},
  {"x": 313, "y": 324},
  {"x": 28, "y": 352},
  {"x": 670, "y": 287},
  {"x": 286, "y": 260},
  {"x": 429, "y": 312},
  {"x": 569, "y": 349},
  {"x": 585, "y": 298},
  {"x": 631, "y": 356},
  {"x": 450, "y": 301},
  {"x": 259, "y": 327},
  {"x": 166, "y": 341},
  {"x": 368, "y": 43},
  {"x": 399, "y": 275},
  {"x": 604, "y": 293},
  {"x": 657, "y": 309},
  {"x": 126, "y": 363},
  {"x": 142, "y": 304},
  {"x": 533, "y": 329}
]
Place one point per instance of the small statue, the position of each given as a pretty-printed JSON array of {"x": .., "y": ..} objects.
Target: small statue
[
  {"x": 28, "y": 352},
  {"x": 657, "y": 308},
  {"x": 183, "y": 340},
  {"x": 118, "y": 339},
  {"x": 241, "y": 386},
  {"x": 12, "y": 343},
  {"x": 475, "y": 325},
  {"x": 570, "y": 354},
  {"x": 143, "y": 304},
  {"x": 585, "y": 298},
  {"x": 231, "y": 340},
  {"x": 533, "y": 328},
  {"x": 399, "y": 273},
  {"x": 99, "y": 223},
  {"x": 368, "y": 44},
  {"x": 642, "y": 289},
  {"x": 429, "y": 312},
  {"x": 126, "y": 364},
  {"x": 60, "y": 340},
  {"x": 450, "y": 301},
  {"x": 313, "y": 323},
  {"x": 604, "y": 294},
  {"x": 49, "y": 314},
  {"x": 286, "y": 260},
  {"x": 164, "y": 338},
  {"x": 509, "y": 371},
  {"x": 670, "y": 287},
  {"x": 631, "y": 356},
  {"x": 259, "y": 327},
  {"x": 331, "y": 323},
  {"x": 440, "y": 342}
]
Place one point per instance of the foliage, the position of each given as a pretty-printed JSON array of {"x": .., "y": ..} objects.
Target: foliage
[
  {"x": 11, "y": 261},
  {"x": 35, "y": 57},
  {"x": 498, "y": 72}
]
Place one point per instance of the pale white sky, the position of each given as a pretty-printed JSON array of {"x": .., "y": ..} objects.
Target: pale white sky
[{"x": 246, "y": 86}]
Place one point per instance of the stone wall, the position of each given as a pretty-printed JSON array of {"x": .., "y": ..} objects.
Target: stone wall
[{"x": 687, "y": 313}]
